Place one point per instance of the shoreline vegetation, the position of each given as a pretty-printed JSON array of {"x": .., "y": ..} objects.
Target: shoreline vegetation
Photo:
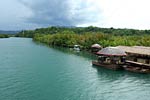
[
  {"x": 86, "y": 36},
  {"x": 4, "y": 36}
]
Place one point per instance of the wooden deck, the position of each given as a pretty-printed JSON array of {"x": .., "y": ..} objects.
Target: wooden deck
[
  {"x": 137, "y": 64},
  {"x": 137, "y": 67}
]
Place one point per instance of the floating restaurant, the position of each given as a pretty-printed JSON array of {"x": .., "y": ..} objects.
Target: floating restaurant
[
  {"x": 111, "y": 58},
  {"x": 134, "y": 59},
  {"x": 138, "y": 59}
]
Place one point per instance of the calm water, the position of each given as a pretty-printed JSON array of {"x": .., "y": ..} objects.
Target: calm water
[{"x": 29, "y": 71}]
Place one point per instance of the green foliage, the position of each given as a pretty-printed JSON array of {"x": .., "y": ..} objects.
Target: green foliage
[
  {"x": 4, "y": 36},
  {"x": 67, "y": 37},
  {"x": 87, "y": 39},
  {"x": 29, "y": 34}
]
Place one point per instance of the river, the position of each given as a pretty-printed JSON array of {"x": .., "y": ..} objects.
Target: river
[{"x": 31, "y": 71}]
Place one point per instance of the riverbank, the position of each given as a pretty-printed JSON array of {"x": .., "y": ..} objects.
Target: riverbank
[{"x": 4, "y": 36}]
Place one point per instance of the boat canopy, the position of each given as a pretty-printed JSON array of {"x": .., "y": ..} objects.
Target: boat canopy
[{"x": 111, "y": 51}]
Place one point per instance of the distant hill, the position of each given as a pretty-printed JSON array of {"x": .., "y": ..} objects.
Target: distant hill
[{"x": 8, "y": 32}]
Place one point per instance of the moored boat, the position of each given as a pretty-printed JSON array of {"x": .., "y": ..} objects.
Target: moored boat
[
  {"x": 111, "y": 58},
  {"x": 76, "y": 47},
  {"x": 108, "y": 66}
]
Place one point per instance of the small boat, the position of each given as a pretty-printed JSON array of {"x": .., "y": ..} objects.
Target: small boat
[
  {"x": 108, "y": 66},
  {"x": 76, "y": 47}
]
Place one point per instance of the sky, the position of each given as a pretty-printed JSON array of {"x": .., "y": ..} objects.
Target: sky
[{"x": 31, "y": 14}]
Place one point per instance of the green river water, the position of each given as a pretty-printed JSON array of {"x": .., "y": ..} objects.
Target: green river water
[{"x": 31, "y": 71}]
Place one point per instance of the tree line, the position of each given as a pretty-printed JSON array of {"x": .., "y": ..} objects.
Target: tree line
[{"x": 86, "y": 36}]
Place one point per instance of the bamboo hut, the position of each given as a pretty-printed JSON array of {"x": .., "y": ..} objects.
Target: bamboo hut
[
  {"x": 110, "y": 57},
  {"x": 111, "y": 51},
  {"x": 95, "y": 48}
]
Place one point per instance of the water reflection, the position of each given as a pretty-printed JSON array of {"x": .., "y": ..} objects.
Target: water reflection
[
  {"x": 108, "y": 74},
  {"x": 112, "y": 75},
  {"x": 70, "y": 51}
]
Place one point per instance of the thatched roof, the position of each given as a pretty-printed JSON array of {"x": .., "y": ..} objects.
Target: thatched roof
[
  {"x": 96, "y": 46},
  {"x": 140, "y": 50},
  {"x": 111, "y": 51}
]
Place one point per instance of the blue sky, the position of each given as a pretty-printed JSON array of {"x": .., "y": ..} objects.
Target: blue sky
[{"x": 31, "y": 14}]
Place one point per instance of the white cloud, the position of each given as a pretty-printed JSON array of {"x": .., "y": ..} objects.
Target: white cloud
[
  {"x": 12, "y": 14},
  {"x": 125, "y": 13},
  {"x": 89, "y": 10}
]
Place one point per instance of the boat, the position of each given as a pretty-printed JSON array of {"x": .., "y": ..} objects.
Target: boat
[
  {"x": 111, "y": 58},
  {"x": 108, "y": 66},
  {"x": 76, "y": 47}
]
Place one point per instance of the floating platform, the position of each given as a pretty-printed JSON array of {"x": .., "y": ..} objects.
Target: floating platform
[{"x": 137, "y": 67}]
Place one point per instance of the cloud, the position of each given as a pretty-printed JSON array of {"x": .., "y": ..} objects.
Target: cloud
[
  {"x": 29, "y": 14},
  {"x": 61, "y": 12},
  {"x": 12, "y": 15},
  {"x": 125, "y": 13}
]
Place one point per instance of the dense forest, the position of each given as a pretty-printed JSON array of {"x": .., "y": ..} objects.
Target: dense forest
[{"x": 86, "y": 36}]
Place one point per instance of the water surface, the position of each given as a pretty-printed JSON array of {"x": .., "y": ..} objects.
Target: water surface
[{"x": 30, "y": 71}]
